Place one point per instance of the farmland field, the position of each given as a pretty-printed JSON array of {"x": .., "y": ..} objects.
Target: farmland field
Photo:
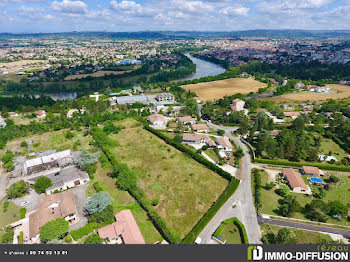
[
  {"x": 185, "y": 189},
  {"x": 218, "y": 89},
  {"x": 20, "y": 63},
  {"x": 343, "y": 92}
]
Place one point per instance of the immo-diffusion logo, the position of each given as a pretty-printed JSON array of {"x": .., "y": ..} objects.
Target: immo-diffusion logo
[
  {"x": 255, "y": 253},
  {"x": 337, "y": 253}
]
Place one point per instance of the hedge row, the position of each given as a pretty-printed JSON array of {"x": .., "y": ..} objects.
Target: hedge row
[
  {"x": 242, "y": 231},
  {"x": 199, "y": 158},
  {"x": 137, "y": 193},
  {"x": 298, "y": 164},
  {"x": 228, "y": 192},
  {"x": 83, "y": 231},
  {"x": 257, "y": 188}
]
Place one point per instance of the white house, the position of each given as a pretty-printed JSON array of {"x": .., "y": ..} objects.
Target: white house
[
  {"x": 224, "y": 144},
  {"x": 2, "y": 122},
  {"x": 237, "y": 105},
  {"x": 157, "y": 120}
]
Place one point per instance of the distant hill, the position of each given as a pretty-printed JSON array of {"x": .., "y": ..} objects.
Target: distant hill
[{"x": 144, "y": 35}]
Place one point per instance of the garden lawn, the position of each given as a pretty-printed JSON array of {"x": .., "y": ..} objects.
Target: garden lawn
[
  {"x": 301, "y": 236},
  {"x": 328, "y": 145},
  {"x": 231, "y": 235},
  {"x": 122, "y": 200},
  {"x": 211, "y": 153},
  {"x": 10, "y": 216},
  {"x": 185, "y": 189}
]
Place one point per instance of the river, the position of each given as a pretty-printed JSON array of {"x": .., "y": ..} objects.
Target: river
[{"x": 203, "y": 69}]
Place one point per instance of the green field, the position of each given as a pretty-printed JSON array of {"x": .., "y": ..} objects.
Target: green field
[
  {"x": 185, "y": 189},
  {"x": 328, "y": 145},
  {"x": 341, "y": 193},
  {"x": 300, "y": 236},
  {"x": 230, "y": 234},
  {"x": 10, "y": 216},
  {"x": 122, "y": 200}
]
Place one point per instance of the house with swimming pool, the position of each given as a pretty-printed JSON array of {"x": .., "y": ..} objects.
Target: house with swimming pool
[{"x": 312, "y": 171}]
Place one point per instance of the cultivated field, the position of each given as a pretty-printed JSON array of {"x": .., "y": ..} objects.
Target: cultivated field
[
  {"x": 343, "y": 92},
  {"x": 185, "y": 189},
  {"x": 96, "y": 74},
  {"x": 218, "y": 89}
]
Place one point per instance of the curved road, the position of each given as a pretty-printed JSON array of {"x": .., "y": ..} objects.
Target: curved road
[{"x": 245, "y": 210}]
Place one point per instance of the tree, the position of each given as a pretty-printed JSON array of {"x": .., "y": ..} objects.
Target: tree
[
  {"x": 178, "y": 138},
  {"x": 17, "y": 189},
  {"x": 321, "y": 193},
  {"x": 103, "y": 217},
  {"x": 42, "y": 184},
  {"x": 239, "y": 153},
  {"x": 87, "y": 158},
  {"x": 93, "y": 240},
  {"x": 7, "y": 236},
  {"x": 98, "y": 202},
  {"x": 283, "y": 190},
  {"x": 334, "y": 179},
  {"x": 337, "y": 208},
  {"x": 126, "y": 179},
  {"x": 283, "y": 236},
  {"x": 55, "y": 229},
  {"x": 221, "y": 132}
]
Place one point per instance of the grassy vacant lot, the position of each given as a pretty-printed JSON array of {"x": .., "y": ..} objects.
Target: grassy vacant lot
[
  {"x": 218, "y": 89},
  {"x": 301, "y": 236},
  {"x": 230, "y": 234},
  {"x": 50, "y": 140},
  {"x": 185, "y": 189},
  {"x": 20, "y": 63},
  {"x": 341, "y": 193},
  {"x": 122, "y": 200},
  {"x": 10, "y": 216},
  {"x": 328, "y": 145},
  {"x": 343, "y": 92}
]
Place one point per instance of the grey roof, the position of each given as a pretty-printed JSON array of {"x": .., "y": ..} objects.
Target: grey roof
[{"x": 132, "y": 99}]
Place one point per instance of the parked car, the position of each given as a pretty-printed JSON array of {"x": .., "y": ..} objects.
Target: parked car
[{"x": 23, "y": 204}]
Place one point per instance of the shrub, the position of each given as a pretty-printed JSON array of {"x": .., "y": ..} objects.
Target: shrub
[
  {"x": 24, "y": 144},
  {"x": 269, "y": 186},
  {"x": 155, "y": 202},
  {"x": 20, "y": 238},
  {"x": 55, "y": 229},
  {"x": 104, "y": 217},
  {"x": 68, "y": 239},
  {"x": 97, "y": 187},
  {"x": 23, "y": 212},
  {"x": 93, "y": 240},
  {"x": 17, "y": 189},
  {"x": 5, "y": 206},
  {"x": 41, "y": 184},
  {"x": 69, "y": 135},
  {"x": 7, "y": 236}
]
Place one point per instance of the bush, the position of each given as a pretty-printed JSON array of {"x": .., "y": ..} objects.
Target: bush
[
  {"x": 104, "y": 217},
  {"x": 5, "y": 206},
  {"x": 17, "y": 190},
  {"x": 98, "y": 202},
  {"x": 68, "y": 239},
  {"x": 23, "y": 212},
  {"x": 155, "y": 202},
  {"x": 97, "y": 187},
  {"x": 41, "y": 184},
  {"x": 69, "y": 135},
  {"x": 24, "y": 144},
  {"x": 83, "y": 231},
  {"x": 93, "y": 240},
  {"x": 55, "y": 229},
  {"x": 7, "y": 236},
  {"x": 257, "y": 188},
  {"x": 20, "y": 238}
]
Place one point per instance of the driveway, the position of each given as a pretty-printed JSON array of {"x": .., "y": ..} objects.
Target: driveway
[
  {"x": 32, "y": 198},
  {"x": 80, "y": 200},
  {"x": 3, "y": 182}
]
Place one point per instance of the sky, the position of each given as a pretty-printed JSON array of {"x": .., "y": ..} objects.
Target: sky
[{"x": 35, "y": 16}]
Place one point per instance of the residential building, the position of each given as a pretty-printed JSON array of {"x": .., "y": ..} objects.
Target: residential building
[
  {"x": 224, "y": 144},
  {"x": 201, "y": 128},
  {"x": 64, "y": 179},
  {"x": 312, "y": 171},
  {"x": 123, "y": 231},
  {"x": 237, "y": 105},
  {"x": 292, "y": 115},
  {"x": 14, "y": 114},
  {"x": 275, "y": 132},
  {"x": 2, "y": 122},
  {"x": 157, "y": 120},
  {"x": 61, "y": 205},
  {"x": 165, "y": 97},
  {"x": 296, "y": 182},
  {"x": 186, "y": 120},
  {"x": 40, "y": 113},
  {"x": 72, "y": 111},
  {"x": 56, "y": 160},
  {"x": 194, "y": 139}
]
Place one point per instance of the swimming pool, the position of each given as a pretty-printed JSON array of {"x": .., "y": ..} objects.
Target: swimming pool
[{"x": 316, "y": 180}]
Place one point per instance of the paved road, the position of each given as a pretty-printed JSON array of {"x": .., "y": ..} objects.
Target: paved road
[
  {"x": 344, "y": 232},
  {"x": 245, "y": 211},
  {"x": 3, "y": 182}
]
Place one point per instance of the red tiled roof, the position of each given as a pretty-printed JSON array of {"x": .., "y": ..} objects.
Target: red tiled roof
[{"x": 294, "y": 179}]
